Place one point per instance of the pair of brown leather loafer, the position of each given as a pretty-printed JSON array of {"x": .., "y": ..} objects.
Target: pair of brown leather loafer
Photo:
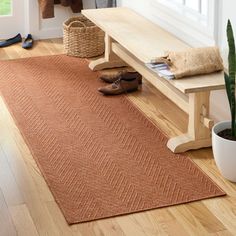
[{"x": 120, "y": 82}]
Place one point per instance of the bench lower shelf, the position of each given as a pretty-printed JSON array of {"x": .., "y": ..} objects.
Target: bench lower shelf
[{"x": 196, "y": 104}]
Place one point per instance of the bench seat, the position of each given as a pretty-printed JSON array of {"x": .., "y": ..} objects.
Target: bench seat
[{"x": 134, "y": 40}]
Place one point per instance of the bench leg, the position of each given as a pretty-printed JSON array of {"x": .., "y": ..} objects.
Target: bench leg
[
  {"x": 110, "y": 60},
  {"x": 199, "y": 125}
]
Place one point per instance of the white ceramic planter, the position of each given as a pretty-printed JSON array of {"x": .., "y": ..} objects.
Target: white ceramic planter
[{"x": 224, "y": 152}]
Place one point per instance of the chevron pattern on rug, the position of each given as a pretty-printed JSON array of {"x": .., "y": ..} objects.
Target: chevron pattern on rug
[{"x": 100, "y": 156}]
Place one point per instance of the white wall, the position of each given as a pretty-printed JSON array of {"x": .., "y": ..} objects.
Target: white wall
[
  {"x": 26, "y": 19},
  {"x": 226, "y": 13},
  {"x": 219, "y": 104},
  {"x": 15, "y": 23},
  {"x": 49, "y": 28}
]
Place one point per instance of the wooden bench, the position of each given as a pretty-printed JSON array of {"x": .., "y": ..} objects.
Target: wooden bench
[{"x": 132, "y": 39}]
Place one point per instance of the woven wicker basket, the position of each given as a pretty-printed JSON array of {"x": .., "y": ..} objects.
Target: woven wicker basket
[{"x": 82, "y": 38}]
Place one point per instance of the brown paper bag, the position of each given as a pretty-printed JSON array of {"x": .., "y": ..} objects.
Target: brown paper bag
[{"x": 194, "y": 61}]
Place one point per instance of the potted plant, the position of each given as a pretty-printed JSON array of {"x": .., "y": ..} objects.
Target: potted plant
[{"x": 224, "y": 133}]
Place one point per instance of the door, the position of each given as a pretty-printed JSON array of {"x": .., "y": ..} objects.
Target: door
[{"x": 11, "y": 17}]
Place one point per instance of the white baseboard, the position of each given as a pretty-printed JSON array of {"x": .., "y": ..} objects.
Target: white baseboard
[{"x": 50, "y": 33}]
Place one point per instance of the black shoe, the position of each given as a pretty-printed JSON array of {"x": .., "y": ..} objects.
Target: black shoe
[
  {"x": 28, "y": 42},
  {"x": 11, "y": 41}
]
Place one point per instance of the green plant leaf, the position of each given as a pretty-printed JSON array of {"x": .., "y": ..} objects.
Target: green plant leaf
[
  {"x": 230, "y": 78},
  {"x": 227, "y": 86},
  {"x": 231, "y": 56}
]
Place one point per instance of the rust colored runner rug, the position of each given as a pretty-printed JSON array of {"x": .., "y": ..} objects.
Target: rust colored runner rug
[{"x": 100, "y": 156}]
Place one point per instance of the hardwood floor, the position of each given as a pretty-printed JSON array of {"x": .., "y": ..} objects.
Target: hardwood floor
[{"x": 28, "y": 208}]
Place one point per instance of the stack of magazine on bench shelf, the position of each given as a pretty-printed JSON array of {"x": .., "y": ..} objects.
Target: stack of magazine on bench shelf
[{"x": 161, "y": 69}]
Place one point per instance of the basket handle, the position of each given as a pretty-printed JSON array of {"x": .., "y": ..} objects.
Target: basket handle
[{"x": 77, "y": 21}]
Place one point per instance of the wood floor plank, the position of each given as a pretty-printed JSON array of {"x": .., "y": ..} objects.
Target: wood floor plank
[
  {"x": 223, "y": 233},
  {"x": 149, "y": 225},
  {"x": 12, "y": 52},
  {"x": 22, "y": 220},
  {"x": 22, "y": 52},
  {"x": 57, "y": 44},
  {"x": 54, "y": 46},
  {"x": 4, "y": 55},
  {"x": 225, "y": 212},
  {"x": 130, "y": 225},
  {"x": 190, "y": 223},
  {"x": 162, "y": 215},
  {"x": 174, "y": 228},
  {"x": 7, "y": 227},
  {"x": 60, "y": 221},
  {"x": 110, "y": 227},
  {"x": 89, "y": 228},
  {"x": 205, "y": 217},
  {"x": 168, "y": 222},
  {"x": 8, "y": 185}
]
